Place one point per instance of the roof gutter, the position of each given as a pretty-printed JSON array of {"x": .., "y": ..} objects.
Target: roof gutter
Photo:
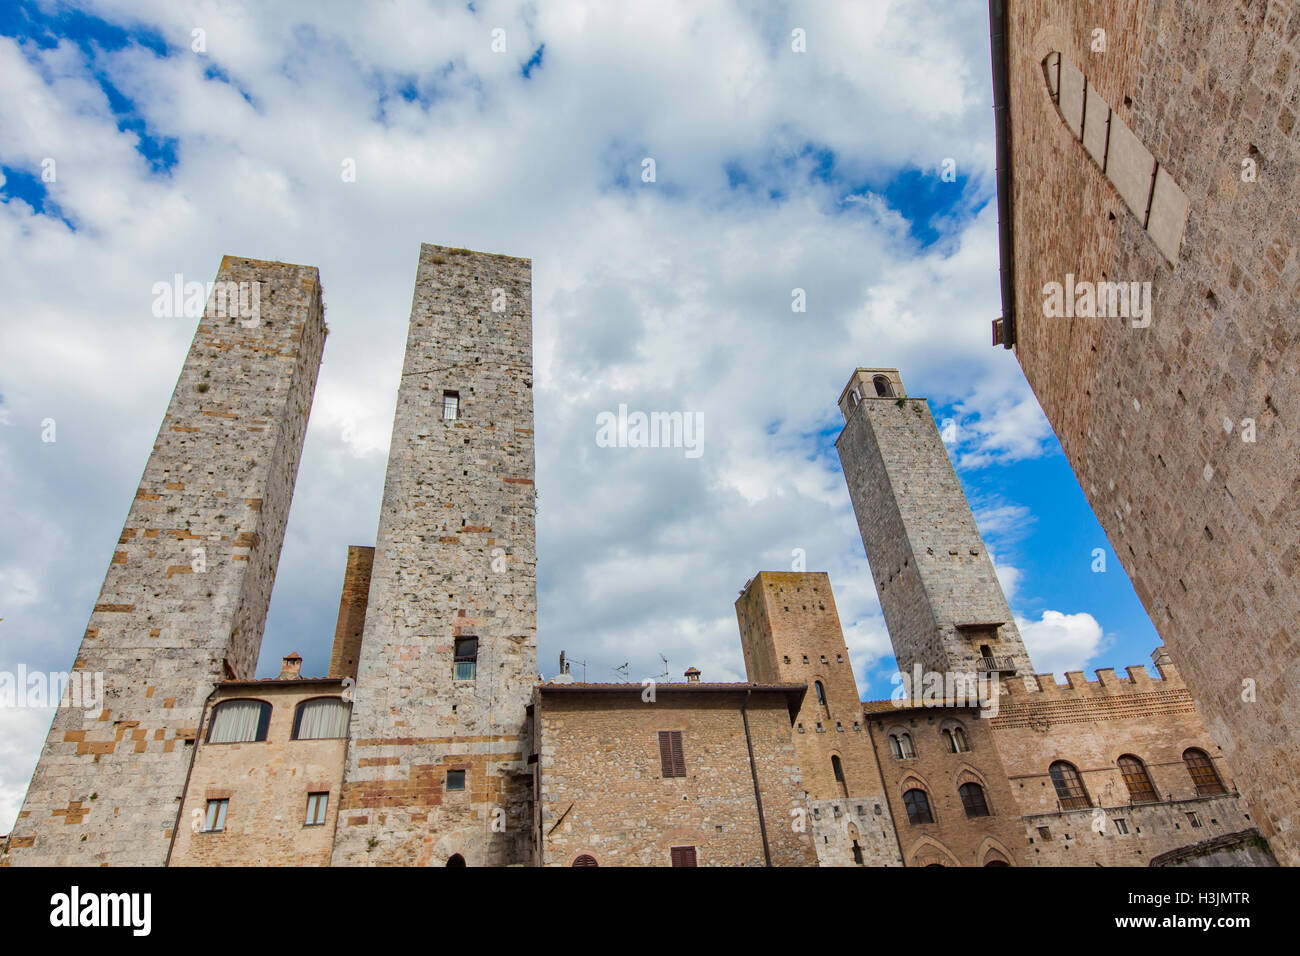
[{"x": 1004, "y": 329}]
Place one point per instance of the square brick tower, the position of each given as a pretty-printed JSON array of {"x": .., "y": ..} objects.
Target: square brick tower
[
  {"x": 790, "y": 633},
  {"x": 438, "y": 767},
  {"x": 185, "y": 598},
  {"x": 943, "y": 605}
]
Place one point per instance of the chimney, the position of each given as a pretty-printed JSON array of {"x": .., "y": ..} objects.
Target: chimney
[
  {"x": 1163, "y": 662},
  {"x": 693, "y": 675},
  {"x": 291, "y": 669}
]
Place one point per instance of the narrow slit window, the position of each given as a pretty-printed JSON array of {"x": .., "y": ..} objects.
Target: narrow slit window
[
  {"x": 214, "y": 821},
  {"x": 317, "y": 804}
]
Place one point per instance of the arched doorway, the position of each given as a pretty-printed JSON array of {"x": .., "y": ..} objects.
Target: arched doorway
[{"x": 455, "y": 860}]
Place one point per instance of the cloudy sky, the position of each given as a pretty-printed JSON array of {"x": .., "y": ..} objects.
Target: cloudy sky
[{"x": 176, "y": 132}]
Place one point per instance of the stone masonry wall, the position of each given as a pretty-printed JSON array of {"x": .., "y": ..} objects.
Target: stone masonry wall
[
  {"x": 267, "y": 783},
  {"x": 602, "y": 791},
  {"x": 454, "y": 556},
  {"x": 790, "y": 633},
  {"x": 931, "y": 569},
  {"x": 171, "y": 620},
  {"x": 346, "y": 651},
  {"x": 1152, "y": 418},
  {"x": 1091, "y": 724}
]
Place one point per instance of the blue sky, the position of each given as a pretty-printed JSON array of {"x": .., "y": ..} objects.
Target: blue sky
[{"x": 776, "y": 171}]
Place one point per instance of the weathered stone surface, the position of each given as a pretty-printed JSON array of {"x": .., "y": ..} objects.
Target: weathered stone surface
[
  {"x": 454, "y": 557},
  {"x": 170, "y": 621},
  {"x": 1205, "y": 523}
]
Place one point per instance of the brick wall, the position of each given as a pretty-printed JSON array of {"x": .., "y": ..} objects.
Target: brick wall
[
  {"x": 602, "y": 791},
  {"x": 169, "y": 621},
  {"x": 352, "y": 612},
  {"x": 1151, "y": 418},
  {"x": 953, "y": 839},
  {"x": 454, "y": 557}
]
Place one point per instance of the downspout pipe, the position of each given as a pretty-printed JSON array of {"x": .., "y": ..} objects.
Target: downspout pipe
[
  {"x": 753, "y": 772},
  {"x": 180, "y": 807},
  {"x": 1002, "y": 138}
]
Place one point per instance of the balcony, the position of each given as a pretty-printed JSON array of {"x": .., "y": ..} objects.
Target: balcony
[{"x": 999, "y": 665}]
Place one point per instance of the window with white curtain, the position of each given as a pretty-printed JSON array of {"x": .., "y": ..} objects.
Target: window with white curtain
[
  {"x": 239, "y": 721},
  {"x": 321, "y": 718}
]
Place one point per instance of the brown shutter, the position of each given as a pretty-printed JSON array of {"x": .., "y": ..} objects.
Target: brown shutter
[
  {"x": 665, "y": 753},
  {"x": 679, "y": 761},
  {"x": 683, "y": 856}
]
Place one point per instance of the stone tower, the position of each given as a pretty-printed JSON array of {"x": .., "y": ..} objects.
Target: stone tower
[
  {"x": 943, "y": 605},
  {"x": 185, "y": 597},
  {"x": 790, "y": 633},
  {"x": 438, "y": 767}
]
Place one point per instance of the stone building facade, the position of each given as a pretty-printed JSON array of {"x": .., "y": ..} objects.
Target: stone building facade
[
  {"x": 613, "y": 791},
  {"x": 1157, "y": 144},
  {"x": 185, "y": 598},
  {"x": 280, "y": 793}
]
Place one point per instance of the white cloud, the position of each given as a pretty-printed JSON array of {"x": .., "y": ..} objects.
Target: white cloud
[{"x": 1060, "y": 642}]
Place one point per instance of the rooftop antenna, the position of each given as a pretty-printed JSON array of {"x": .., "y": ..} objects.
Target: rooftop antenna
[
  {"x": 622, "y": 669},
  {"x": 665, "y": 676},
  {"x": 565, "y": 664}
]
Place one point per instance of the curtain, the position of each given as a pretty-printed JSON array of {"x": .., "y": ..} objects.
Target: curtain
[
  {"x": 327, "y": 717},
  {"x": 236, "y": 721}
]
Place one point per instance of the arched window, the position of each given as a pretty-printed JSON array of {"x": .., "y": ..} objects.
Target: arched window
[
  {"x": 585, "y": 859},
  {"x": 837, "y": 767},
  {"x": 320, "y": 718},
  {"x": 821, "y": 692},
  {"x": 883, "y": 388},
  {"x": 972, "y": 799},
  {"x": 239, "y": 721},
  {"x": 1069, "y": 786},
  {"x": 455, "y": 860},
  {"x": 894, "y": 747},
  {"x": 1140, "y": 788},
  {"x": 955, "y": 738},
  {"x": 918, "y": 806},
  {"x": 905, "y": 745},
  {"x": 1204, "y": 776}
]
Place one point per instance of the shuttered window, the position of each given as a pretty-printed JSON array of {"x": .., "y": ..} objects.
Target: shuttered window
[
  {"x": 671, "y": 761},
  {"x": 683, "y": 856}
]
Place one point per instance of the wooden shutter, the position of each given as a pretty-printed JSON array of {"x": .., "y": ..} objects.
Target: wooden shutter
[
  {"x": 672, "y": 763},
  {"x": 683, "y": 856}
]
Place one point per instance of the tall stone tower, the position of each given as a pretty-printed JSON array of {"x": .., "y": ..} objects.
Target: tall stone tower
[
  {"x": 943, "y": 605},
  {"x": 438, "y": 767},
  {"x": 185, "y": 598},
  {"x": 790, "y": 633}
]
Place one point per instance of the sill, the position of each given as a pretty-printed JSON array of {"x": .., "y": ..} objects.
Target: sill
[{"x": 222, "y": 743}]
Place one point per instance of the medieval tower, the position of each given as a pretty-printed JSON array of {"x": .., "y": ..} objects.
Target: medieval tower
[
  {"x": 438, "y": 770},
  {"x": 942, "y": 602},
  {"x": 186, "y": 594},
  {"x": 790, "y": 634}
]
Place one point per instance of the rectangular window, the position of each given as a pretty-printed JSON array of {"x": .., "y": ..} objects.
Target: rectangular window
[
  {"x": 1121, "y": 826},
  {"x": 1044, "y": 833},
  {"x": 215, "y": 820},
  {"x": 683, "y": 856},
  {"x": 450, "y": 406},
  {"x": 1194, "y": 820},
  {"x": 466, "y": 658},
  {"x": 316, "y": 805},
  {"x": 455, "y": 779},
  {"x": 671, "y": 761}
]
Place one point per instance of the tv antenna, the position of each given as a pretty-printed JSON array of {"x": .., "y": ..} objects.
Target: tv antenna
[
  {"x": 565, "y": 663},
  {"x": 622, "y": 669},
  {"x": 665, "y": 676}
]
